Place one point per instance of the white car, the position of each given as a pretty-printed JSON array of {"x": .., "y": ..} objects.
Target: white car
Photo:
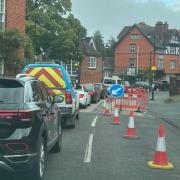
[{"x": 84, "y": 97}]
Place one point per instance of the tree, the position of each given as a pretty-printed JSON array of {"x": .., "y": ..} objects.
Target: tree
[
  {"x": 52, "y": 31},
  {"x": 11, "y": 42},
  {"x": 98, "y": 40},
  {"x": 109, "y": 47}
]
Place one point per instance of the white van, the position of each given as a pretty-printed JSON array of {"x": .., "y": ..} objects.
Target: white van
[{"x": 110, "y": 81}]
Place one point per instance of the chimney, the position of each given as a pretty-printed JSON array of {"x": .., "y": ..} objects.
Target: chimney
[{"x": 161, "y": 30}]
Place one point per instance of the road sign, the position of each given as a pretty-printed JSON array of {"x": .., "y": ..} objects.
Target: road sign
[{"x": 116, "y": 90}]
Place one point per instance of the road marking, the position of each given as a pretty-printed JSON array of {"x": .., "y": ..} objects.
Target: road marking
[
  {"x": 93, "y": 124},
  {"x": 87, "y": 157}
]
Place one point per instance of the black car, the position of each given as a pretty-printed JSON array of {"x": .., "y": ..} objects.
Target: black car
[{"x": 29, "y": 125}]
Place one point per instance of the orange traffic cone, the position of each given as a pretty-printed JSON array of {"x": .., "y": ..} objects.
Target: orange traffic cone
[
  {"x": 107, "y": 111},
  {"x": 160, "y": 157},
  {"x": 131, "y": 131},
  {"x": 104, "y": 105},
  {"x": 116, "y": 118}
]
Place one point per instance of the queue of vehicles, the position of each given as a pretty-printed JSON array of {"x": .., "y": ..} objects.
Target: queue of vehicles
[{"x": 34, "y": 106}]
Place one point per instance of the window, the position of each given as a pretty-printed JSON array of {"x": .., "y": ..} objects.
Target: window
[
  {"x": 135, "y": 36},
  {"x": 172, "y": 50},
  {"x": 172, "y": 64},
  {"x": 132, "y": 62},
  {"x": 132, "y": 48},
  {"x": 174, "y": 38},
  {"x": 160, "y": 62},
  {"x": 92, "y": 62},
  {"x": 2, "y": 14}
]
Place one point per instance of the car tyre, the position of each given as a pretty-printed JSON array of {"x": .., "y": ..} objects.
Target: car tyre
[
  {"x": 58, "y": 145},
  {"x": 38, "y": 169}
]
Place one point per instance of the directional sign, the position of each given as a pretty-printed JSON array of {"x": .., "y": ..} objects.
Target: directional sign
[{"x": 116, "y": 90}]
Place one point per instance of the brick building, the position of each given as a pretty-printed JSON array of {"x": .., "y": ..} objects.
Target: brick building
[
  {"x": 12, "y": 16},
  {"x": 141, "y": 47},
  {"x": 90, "y": 70}
]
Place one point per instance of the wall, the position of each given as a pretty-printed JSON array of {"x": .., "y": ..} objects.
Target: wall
[{"x": 90, "y": 75}]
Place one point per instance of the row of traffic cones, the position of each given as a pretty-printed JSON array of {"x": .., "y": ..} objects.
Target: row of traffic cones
[{"x": 160, "y": 156}]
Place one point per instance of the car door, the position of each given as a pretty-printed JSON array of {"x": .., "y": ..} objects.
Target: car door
[{"x": 52, "y": 111}]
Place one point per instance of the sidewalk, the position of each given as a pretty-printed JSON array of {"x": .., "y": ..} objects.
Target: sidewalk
[{"x": 167, "y": 111}]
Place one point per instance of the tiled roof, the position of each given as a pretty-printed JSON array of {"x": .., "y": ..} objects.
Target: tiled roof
[{"x": 88, "y": 47}]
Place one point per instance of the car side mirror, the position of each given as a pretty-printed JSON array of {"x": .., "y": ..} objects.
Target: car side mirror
[{"x": 58, "y": 99}]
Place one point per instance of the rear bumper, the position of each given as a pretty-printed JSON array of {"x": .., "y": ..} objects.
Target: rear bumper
[
  {"x": 66, "y": 112},
  {"x": 15, "y": 163}
]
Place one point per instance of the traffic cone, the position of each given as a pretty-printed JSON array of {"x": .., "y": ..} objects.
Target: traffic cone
[
  {"x": 107, "y": 111},
  {"x": 104, "y": 105},
  {"x": 116, "y": 118},
  {"x": 131, "y": 131},
  {"x": 160, "y": 156}
]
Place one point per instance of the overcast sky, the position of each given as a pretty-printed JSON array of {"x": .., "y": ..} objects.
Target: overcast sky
[{"x": 110, "y": 16}]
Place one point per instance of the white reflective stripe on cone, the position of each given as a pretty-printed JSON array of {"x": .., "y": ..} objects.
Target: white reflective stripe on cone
[
  {"x": 116, "y": 112},
  {"x": 161, "y": 145},
  {"x": 131, "y": 122}
]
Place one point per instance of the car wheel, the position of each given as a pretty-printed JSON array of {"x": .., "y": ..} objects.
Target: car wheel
[
  {"x": 57, "y": 146},
  {"x": 38, "y": 169}
]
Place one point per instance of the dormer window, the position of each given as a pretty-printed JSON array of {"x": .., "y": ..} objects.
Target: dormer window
[
  {"x": 172, "y": 50},
  {"x": 135, "y": 36},
  {"x": 174, "y": 38}
]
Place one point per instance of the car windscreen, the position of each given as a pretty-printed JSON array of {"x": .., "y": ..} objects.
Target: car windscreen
[
  {"x": 11, "y": 91},
  {"x": 89, "y": 87},
  {"x": 109, "y": 81}
]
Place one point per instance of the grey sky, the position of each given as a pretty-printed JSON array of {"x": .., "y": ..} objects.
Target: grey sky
[{"x": 110, "y": 16}]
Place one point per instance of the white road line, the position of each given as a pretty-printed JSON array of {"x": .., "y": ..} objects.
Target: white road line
[
  {"x": 93, "y": 124},
  {"x": 87, "y": 157}
]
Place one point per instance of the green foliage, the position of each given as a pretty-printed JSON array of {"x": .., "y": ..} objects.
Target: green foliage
[
  {"x": 109, "y": 47},
  {"x": 98, "y": 40},
  {"x": 29, "y": 50},
  {"x": 52, "y": 28}
]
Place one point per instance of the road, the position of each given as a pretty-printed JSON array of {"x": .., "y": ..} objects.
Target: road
[{"x": 96, "y": 149}]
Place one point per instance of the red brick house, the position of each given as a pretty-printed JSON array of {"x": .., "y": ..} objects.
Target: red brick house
[
  {"x": 90, "y": 69},
  {"x": 12, "y": 16},
  {"x": 142, "y": 46}
]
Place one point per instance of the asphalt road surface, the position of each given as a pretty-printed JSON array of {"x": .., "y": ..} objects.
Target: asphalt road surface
[{"x": 96, "y": 150}]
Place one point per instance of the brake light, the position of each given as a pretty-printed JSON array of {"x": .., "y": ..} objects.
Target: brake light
[
  {"x": 68, "y": 98},
  {"x": 17, "y": 147},
  {"x": 81, "y": 95},
  {"x": 23, "y": 115},
  {"x": 91, "y": 92}
]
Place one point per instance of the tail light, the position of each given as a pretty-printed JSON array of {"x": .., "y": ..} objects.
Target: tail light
[
  {"x": 17, "y": 147},
  {"x": 23, "y": 115},
  {"x": 91, "y": 93},
  {"x": 68, "y": 98},
  {"x": 81, "y": 95}
]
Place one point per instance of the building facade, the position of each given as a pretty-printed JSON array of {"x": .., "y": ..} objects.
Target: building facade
[
  {"x": 12, "y": 16},
  {"x": 141, "y": 47},
  {"x": 90, "y": 69}
]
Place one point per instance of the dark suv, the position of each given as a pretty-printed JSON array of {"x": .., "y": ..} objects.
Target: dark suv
[{"x": 29, "y": 125}]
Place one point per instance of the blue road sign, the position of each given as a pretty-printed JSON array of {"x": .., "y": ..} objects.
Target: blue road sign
[{"x": 116, "y": 90}]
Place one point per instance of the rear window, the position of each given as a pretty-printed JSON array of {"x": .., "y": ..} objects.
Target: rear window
[
  {"x": 109, "y": 81},
  {"x": 11, "y": 91},
  {"x": 89, "y": 87}
]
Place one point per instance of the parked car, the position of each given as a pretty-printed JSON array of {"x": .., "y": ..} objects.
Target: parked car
[
  {"x": 57, "y": 79},
  {"x": 163, "y": 85},
  {"x": 29, "y": 125},
  {"x": 110, "y": 81},
  {"x": 143, "y": 84},
  {"x": 84, "y": 97},
  {"x": 93, "y": 92}
]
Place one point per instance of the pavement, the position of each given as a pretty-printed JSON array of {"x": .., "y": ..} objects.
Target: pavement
[{"x": 167, "y": 111}]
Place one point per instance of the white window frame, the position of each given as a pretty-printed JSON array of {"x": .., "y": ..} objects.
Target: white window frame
[
  {"x": 160, "y": 62},
  {"x": 92, "y": 63},
  {"x": 132, "y": 62},
  {"x": 2, "y": 13},
  {"x": 172, "y": 64},
  {"x": 135, "y": 36},
  {"x": 172, "y": 50},
  {"x": 132, "y": 48}
]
